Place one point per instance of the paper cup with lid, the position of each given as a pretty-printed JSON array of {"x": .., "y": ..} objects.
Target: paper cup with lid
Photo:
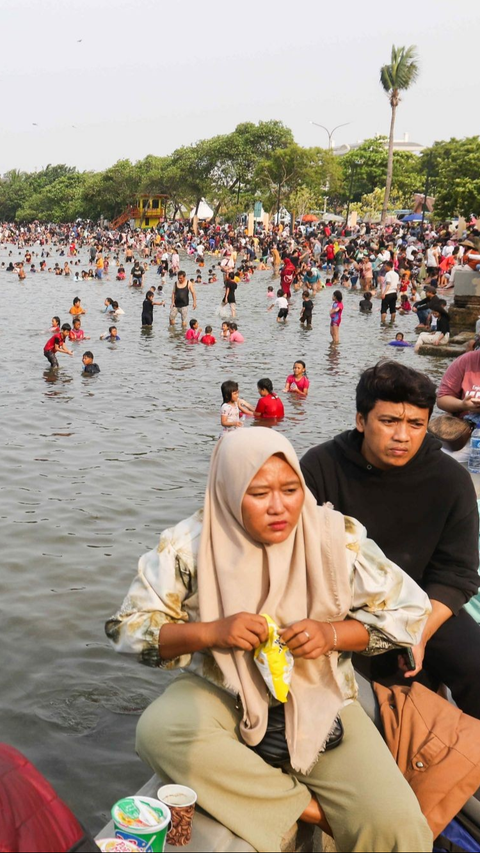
[{"x": 142, "y": 821}]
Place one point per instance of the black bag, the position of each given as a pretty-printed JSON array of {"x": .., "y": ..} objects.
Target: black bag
[{"x": 273, "y": 747}]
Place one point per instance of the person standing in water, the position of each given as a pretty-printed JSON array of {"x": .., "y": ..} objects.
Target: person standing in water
[
  {"x": 57, "y": 344},
  {"x": 147, "y": 309},
  {"x": 181, "y": 299},
  {"x": 336, "y": 316}
]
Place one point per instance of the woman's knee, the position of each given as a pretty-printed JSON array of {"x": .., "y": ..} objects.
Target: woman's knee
[{"x": 397, "y": 827}]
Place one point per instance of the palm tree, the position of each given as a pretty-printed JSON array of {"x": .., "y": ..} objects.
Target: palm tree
[{"x": 398, "y": 76}]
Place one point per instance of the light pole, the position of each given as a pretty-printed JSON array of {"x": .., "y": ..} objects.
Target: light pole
[
  {"x": 427, "y": 182},
  {"x": 330, "y": 132},
  {"x": 350, "y": 191}
]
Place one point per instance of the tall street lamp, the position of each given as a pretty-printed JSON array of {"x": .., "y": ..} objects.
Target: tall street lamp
[
  {"x": 330, "y": 132},
  {"x": 350, "y": 191}
]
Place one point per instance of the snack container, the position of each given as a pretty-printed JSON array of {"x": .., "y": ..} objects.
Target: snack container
[
  {"x": 116, "y": 845},
  {"x": 142, "y": 821}
]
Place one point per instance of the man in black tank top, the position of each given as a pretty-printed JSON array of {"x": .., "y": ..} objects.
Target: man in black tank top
[{"x": 181, "y": 299}]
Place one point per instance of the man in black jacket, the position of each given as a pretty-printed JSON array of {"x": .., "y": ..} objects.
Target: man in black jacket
[{"x": 419, "y": 505}]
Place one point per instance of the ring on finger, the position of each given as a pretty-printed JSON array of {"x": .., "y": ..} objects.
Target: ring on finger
[{"x": 307, "y": 635}]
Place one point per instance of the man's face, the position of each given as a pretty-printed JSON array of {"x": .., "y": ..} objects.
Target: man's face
[{"x": 392, "y": 433}]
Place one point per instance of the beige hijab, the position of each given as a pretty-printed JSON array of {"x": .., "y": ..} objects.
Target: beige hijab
[{"x": 305, "y": 576}]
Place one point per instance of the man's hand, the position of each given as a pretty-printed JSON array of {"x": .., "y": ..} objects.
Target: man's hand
[
  {"x": 418, "y": 654},
  {"x": 308, "y": 638},
  {"x": 244, "y": 631}
]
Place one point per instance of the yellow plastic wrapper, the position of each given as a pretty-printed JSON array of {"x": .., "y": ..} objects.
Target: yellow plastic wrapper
[{"x": 275, "y": 662}]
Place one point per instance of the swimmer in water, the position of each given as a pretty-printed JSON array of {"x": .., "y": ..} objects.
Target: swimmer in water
[
  {"x": 77, "y": 333},
  {"x": 399, "y": 341},
  {"x": 194, "y": 332},
  {"x": 112, "y": 334},
  {"x": 297, "y": 382},
  {"x": 208, "y": 339},
  {"x": 233, "y": 408}
]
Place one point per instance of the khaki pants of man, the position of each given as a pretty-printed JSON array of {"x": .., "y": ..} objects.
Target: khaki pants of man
[{"x": 191, "y": 734}]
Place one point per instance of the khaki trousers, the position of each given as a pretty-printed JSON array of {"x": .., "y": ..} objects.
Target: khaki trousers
[{"x": 191, "y": 734}]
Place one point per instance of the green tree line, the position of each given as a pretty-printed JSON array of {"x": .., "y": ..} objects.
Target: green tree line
[{"x": 254, "y": 162}]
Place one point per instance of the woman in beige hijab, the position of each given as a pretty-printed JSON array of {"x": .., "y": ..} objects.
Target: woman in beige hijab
[{"x": 262, "y": 546}]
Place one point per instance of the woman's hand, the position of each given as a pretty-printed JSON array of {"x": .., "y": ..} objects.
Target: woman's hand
[
  {"x": 244, "y": 631},
  {"x": 309, "y": 639}
]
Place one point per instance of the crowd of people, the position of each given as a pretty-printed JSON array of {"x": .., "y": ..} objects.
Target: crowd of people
[{"x": 364, "y": 552}]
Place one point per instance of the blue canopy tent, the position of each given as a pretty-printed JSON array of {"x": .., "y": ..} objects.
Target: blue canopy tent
[{"x": 412, "y": 217}]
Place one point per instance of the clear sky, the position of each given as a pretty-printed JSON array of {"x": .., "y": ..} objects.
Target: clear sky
[{"x": 148, "y": 76}]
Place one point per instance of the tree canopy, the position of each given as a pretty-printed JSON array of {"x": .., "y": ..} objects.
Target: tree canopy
[{"x": 255, "y": 162}]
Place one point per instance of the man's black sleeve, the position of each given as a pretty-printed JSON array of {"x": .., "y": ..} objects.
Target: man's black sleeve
[
  {"x": 451, "y": 575},
  {"x": 314, "y": 476}
]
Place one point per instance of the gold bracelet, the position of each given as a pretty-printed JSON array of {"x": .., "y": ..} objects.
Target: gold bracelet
[{"x": 335, "y": 638}]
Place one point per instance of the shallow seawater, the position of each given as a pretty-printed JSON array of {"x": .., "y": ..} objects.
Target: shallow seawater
[{"x": 92, "y": 469}]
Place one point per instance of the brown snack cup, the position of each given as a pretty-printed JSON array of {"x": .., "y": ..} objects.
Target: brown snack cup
[{"x": 181, "y": 802}]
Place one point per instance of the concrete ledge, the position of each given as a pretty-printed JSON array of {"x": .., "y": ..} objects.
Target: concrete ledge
[{"x": 442, "y": 352}]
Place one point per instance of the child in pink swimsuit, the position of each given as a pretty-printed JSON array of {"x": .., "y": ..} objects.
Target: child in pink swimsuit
[
  {"x": 297, "y": 382},
  {"x": 194, "y": 332},
  {"x": 336, "y": 316},
  {"x": 235, "y": 335}
]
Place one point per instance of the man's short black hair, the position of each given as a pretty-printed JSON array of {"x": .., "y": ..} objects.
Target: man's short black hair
[{"x": 394, "y": 383}]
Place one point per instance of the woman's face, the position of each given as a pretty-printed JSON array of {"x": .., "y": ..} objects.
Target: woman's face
[
  {"x": 298, "y": 368},
  {"x": 272, "y": 503}
]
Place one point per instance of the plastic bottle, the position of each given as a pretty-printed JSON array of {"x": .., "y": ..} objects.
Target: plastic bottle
[{"x": 474, "y": 455}]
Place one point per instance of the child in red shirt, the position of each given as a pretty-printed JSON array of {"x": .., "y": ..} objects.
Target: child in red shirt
[
  {"x": 269, "y": 405},
  {"x": 208, "y": 338}
]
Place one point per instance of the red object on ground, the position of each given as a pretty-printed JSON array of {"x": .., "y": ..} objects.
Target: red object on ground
[{"x": 32, "y": 816}]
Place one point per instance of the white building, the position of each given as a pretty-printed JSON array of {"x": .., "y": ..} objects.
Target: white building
[{"x": 398, "y": 145}]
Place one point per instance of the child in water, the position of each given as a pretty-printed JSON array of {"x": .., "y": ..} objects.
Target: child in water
[
  {"x": 55, "y": 325},
  {"x": 194, "y": 332},
  {"x": 233, "y": 409},
  {"x": 270, "y": 293},
  {"x": 336, "y": 316},
  {"x": 77, "y": 333},
  {"x": 76, "y": 308},
  {"x": 399, "y": 341},
  {"x": 269, "y": 404},
  {"x": 297, "y": 382},
  {"x": 208, "y": 338},
  {"x": 225, "y": 333},
  {"x": 365, "y": 304},
  {"x": 307, "y": 310},
  {"x": 89, "y": 366},
  {"x": 236, "y": 337},
  {"x": 281, "y": 303},
  {"x": 112, "y": 334}
]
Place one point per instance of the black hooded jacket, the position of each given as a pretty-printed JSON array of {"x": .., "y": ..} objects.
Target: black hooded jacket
[{"x": 423, "y": 515}]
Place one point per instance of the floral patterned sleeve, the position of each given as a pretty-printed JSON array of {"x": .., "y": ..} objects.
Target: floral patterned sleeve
[
  {"x": 389, "y": 603},
  {"x": 163, "y": 590}
]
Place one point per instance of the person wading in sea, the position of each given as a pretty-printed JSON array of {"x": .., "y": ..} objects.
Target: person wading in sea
[{"x": 181, "y": 299}]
